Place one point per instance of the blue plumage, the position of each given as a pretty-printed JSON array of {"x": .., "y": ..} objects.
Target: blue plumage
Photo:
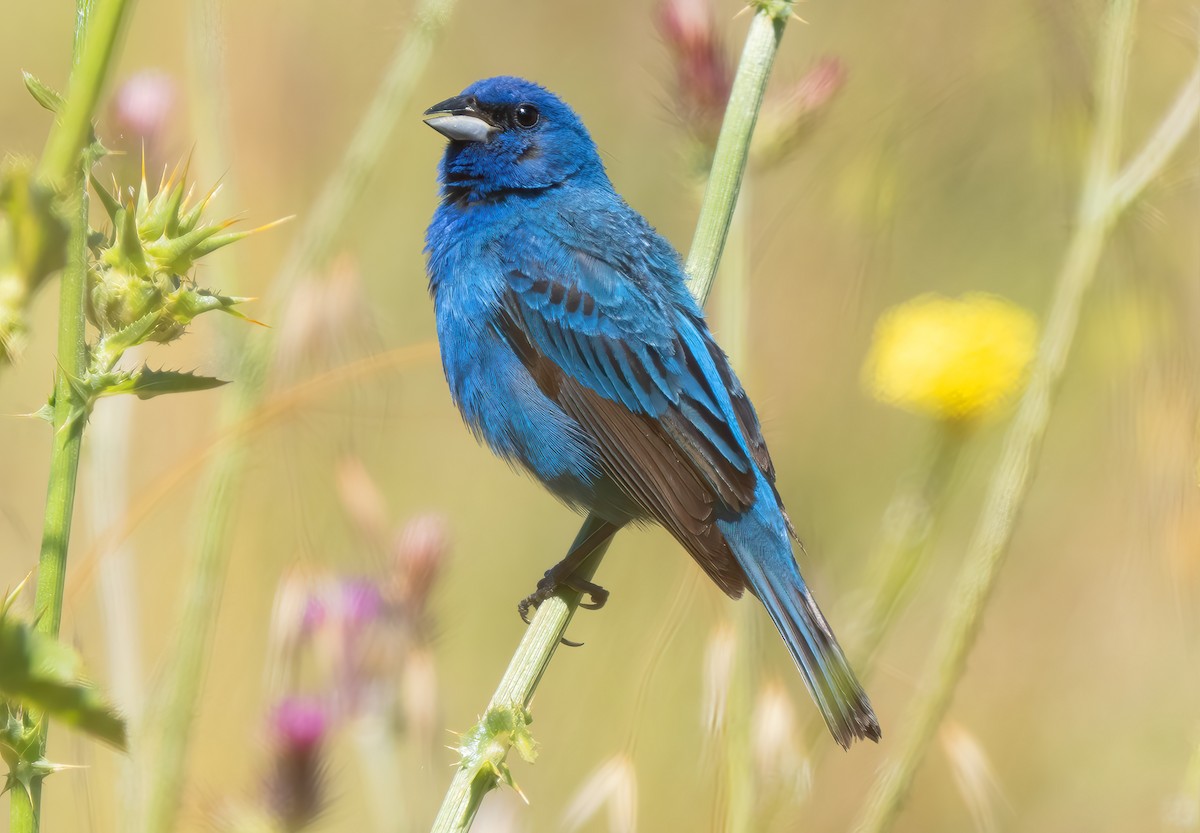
[{"x": 573, "y": 348}]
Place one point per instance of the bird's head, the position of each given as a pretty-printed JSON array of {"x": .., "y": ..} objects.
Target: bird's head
[{"x": 509, "y": 134}]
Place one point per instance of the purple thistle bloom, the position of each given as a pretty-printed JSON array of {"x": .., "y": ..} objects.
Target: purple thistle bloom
[{"x": 295, "y": 788}]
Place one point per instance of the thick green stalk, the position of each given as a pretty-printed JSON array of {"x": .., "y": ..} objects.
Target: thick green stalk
[
  {"x": 62, "y": 168},
  {"x": 1105, "y": 194},
  {"x": 173, "y": 715},
  {"x": 542, "y": 637}
]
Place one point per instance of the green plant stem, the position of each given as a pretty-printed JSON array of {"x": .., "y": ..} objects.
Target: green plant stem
[
  {"x": 1105, "y": 195},
  {"x": 97, "y": 29},
  {"x": 909, "y": 525},
  {"x": 175, "y": 704},
  {"x": 729, "y": 160},
  {"x": 908, "y": 528},
  {"x": 541, "y": 638},
  {"x": 62, "y": 168},
  {"x": 60, "y": 497}
]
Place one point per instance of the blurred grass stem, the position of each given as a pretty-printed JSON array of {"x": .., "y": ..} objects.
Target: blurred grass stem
[
  {"x": 908, "y": 528},
  {"x": 736, "y": 761},
  {"x": 312, "y": 248},
  {"x": 541, "y": 639},
  {"x": 1106, "y": 193},
  {"x": 62, "y": 166}
]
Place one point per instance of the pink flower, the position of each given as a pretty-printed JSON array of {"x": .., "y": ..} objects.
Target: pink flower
[{"x": 143, "y": 104}]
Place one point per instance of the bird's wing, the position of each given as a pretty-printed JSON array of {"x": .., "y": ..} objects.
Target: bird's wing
[{"x": 646, "y": 380}]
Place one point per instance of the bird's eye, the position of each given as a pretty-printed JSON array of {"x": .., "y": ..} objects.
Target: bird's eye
[{"x": 526, "y": 116}]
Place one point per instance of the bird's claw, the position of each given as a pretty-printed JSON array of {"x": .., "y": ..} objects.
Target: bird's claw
[
  {"x": 545, "y": 589},
  {"x": 549, "y": 584},
  {"x": 597, "y": 594}
]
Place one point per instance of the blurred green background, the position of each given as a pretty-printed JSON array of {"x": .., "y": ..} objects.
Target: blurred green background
[{"x": 948, "y": 162}]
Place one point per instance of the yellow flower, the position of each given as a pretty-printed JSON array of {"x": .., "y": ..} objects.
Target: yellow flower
[{"x": 953, "y": 359}]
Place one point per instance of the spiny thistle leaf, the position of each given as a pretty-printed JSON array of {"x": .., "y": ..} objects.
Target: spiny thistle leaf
[
  {"x": 111, "y": 205},
  {"x": 178, "y": 254},
  {"x": 52, "y": 100},
  {"x": 218, "y": 241},
  {"x": 187, "y": 303},
  {"x": 485, "y": 747},
  {"x": 147, "y": 383},
  {"x": 130, "y": 336},
  {"x": 128, "y": 246},
  {"x": 192, "y": 215},
  {"x": 43, "y": 94},
  {"x": 45, "y": 674}
]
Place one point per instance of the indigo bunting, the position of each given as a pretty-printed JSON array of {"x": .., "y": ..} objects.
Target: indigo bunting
[{"x": 573, "y": 348}]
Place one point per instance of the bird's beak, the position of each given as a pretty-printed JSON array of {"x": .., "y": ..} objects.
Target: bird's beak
[{"x": 460, "y": 119}]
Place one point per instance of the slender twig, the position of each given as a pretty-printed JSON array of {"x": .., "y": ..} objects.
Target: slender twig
[
  {"x": 908, "y": 529},
  {"x": 541, "y": 639},
  {"x": 1105, "y": 194},
  {"x": 97, "y": 27},
  {"x": 312, "y": 248}
]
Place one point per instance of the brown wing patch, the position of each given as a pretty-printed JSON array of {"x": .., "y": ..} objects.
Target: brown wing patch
[{"x": 643, "y": 460}]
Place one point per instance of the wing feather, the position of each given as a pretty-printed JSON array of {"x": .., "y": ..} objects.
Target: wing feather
[{"x": 641, "y": 377}]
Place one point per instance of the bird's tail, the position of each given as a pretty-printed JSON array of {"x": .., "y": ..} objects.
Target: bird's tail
[{"x": 764, "y": 551}]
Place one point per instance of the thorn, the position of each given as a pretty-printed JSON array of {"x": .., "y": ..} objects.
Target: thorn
[
  {"x": 12, "y": 595},
  {"x": 187, "y": 198}
]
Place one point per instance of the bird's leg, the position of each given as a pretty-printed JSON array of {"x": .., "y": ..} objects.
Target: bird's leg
[{"x": 561, "y": 575}]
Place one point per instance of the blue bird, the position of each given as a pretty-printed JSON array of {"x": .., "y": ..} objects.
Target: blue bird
[{"x": 573, "y": 348}]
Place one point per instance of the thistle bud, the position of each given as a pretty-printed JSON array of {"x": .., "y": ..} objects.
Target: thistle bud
[
  {"x": 294, "y": 790},
  {"x": 139, "y": 290}
]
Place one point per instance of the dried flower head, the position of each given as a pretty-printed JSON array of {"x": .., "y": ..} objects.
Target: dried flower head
[
  {"x": 788, "y": 119},
  {"x": 956, "y": 359},
  {"x": 328, "y": 318},
  {"x": 363, "y": 501},
  {"x": 719, "y": 657},
  {"x": 702, "y": 73},
  {"x": 418, "y": 556},
  {"x": 613, "y": 787},
  {"x": 778, "y": 750},
  {"x": 974, "y": 776}
]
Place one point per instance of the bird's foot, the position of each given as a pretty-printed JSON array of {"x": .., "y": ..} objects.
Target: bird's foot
[{"x": 549, "y": 585}]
